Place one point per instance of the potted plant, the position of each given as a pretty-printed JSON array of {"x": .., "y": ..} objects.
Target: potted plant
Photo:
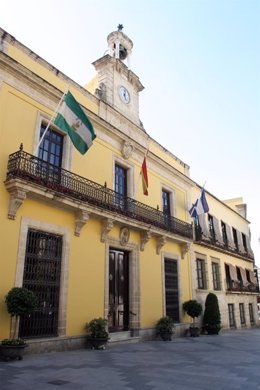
[
  {"x": 97, "y": 335},
  {"x": 212, "y": 317},
  {"x": 19, "y": 301},
  {"x": 194, "y": 309},
  {"x": 165, "y": 328}
]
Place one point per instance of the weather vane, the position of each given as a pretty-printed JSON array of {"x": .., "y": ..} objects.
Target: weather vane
[{"x": 120, "y": 27}]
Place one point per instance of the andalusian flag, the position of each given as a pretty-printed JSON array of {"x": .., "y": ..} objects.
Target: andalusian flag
[
  {"x": 72, "y": 119},
  {"x": 144, "y": 177}
]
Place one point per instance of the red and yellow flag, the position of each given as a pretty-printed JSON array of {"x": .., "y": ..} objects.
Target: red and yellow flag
[{"x": 144, "y": 177}]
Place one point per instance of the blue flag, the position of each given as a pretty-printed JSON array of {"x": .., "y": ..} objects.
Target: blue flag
[{"x": 200, "y": 206}]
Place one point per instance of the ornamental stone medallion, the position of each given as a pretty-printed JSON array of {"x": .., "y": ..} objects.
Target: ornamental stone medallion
[{"x": 127, "y": 150}]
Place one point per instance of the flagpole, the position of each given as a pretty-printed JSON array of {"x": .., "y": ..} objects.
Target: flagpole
[
  {"x": 140, "y": 174},
  {"x": 48, "y": 125}
]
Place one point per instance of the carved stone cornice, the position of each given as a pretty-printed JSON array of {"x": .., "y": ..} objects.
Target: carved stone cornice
[
  {"x": 108, "y": 225},
  {"x": 21, "y": 190},
  {"x": 145, "y": 237},
  {"x": 161, "y": 241},
  {"x": 81, "y": 218}
]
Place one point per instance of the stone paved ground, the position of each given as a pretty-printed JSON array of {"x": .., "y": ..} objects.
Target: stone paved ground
[{"x": 229, "y": 361}]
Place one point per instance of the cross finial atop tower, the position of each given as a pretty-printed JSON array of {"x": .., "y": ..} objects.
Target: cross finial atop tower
[{"x": 120, "y": 27}]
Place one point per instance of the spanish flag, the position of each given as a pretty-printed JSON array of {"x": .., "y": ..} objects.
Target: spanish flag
[{"x": 144, "y": 177}]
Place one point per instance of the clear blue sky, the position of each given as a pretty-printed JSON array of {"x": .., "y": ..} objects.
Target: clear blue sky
[{"x": 199, "y": 62}]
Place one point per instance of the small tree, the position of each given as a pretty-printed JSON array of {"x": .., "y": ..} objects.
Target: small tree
[
  {"x": 212, "y": 317},
  {"x": 193, "y": 309},
  {"x": 20, "y": 301}
]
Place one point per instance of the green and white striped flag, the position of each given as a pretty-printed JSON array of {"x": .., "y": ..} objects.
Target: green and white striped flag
[{"x": 72, "y": 119}]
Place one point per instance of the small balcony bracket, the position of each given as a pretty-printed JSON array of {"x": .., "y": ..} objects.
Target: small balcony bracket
[
  {"x": 81, "y": 218},
  {"x": 145, "y": 237},
  {"x": 17, "y": 197},
  {"x": 185, "y": 249},
  {"x": 161, "y": 241},
  {"x": 106, "y": 227}
]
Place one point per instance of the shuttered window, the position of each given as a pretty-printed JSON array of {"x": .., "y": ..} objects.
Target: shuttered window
[
  {"x": 171, "y": 289},
  {"x": 201, "y": 274},
  {"x": 216, "y": 276}
]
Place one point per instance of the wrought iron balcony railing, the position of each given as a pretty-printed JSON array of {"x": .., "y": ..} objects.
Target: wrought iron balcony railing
[
  {"x": 239, "y": 287},
  {"x": 212, "y": 241},
  {"x": 27, "y": 167}
]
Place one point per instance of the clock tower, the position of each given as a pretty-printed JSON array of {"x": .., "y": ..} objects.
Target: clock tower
[{"x": 117, "y": 84}]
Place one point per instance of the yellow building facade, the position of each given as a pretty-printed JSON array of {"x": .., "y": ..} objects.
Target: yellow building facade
[
  {"x": 223, "y": 261},
  {"x": 77, "y": 229}
]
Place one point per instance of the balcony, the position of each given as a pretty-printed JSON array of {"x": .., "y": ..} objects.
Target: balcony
[
  {"x": 224, "y": 248},
  {"x": 28, "y": 174},
  {"x": 239, "y": 287}
]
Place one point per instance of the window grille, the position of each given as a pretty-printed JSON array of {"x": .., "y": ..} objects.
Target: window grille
[{"x": 42, "y": 275}]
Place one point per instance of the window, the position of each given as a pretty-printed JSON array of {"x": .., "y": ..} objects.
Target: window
[
  {"x": 120, "y": 185},
  {"x": 224, "y": 233},
  {"x": 42, "y": 270},
  {"x": 235, "y": 238},
  {"x": 121, "y": 180},
  {"x": 50, "y": 153},
  {"x": 50, "y": 149},
  {"x": 171, "y": 289},
  {"x": 228, "y": 277},
  {"x": 211, "y": 228},
  {"x": 231, "y": 315},
  {"x": 216, "y": 276},
  {"x": 242, "y": 314},
  {"x": 166, "y": 198},
  {"x": 201, "y": 274},
  {"x": 166, "y": 202},
  {"x": 251, "y": 313},
  {"x": 239, "y": 277},
  {"x": 244, "y": 241}
]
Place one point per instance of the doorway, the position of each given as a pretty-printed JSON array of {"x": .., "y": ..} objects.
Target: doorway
[{"x": 118, "y": 310}]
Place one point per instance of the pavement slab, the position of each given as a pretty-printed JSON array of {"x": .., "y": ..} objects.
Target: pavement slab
[{"x": 228, "y": 361}]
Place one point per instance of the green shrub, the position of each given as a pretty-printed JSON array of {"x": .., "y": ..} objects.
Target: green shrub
[
  {"x": 212, "y": 317},
  {"x": 96, "y": 328},
  {"x": 165, "y": 325}
]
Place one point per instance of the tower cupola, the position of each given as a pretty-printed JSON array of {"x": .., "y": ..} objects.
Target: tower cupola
[{"x": 120, "y": 46}]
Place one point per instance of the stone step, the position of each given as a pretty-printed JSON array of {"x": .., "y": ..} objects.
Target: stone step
[{"x": 122, "y": 338}]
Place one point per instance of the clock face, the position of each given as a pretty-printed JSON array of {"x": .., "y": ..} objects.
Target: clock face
[{"x": 124, "y": 94}]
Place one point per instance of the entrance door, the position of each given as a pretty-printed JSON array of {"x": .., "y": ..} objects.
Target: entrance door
[{"x": 118, "y": 291}]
